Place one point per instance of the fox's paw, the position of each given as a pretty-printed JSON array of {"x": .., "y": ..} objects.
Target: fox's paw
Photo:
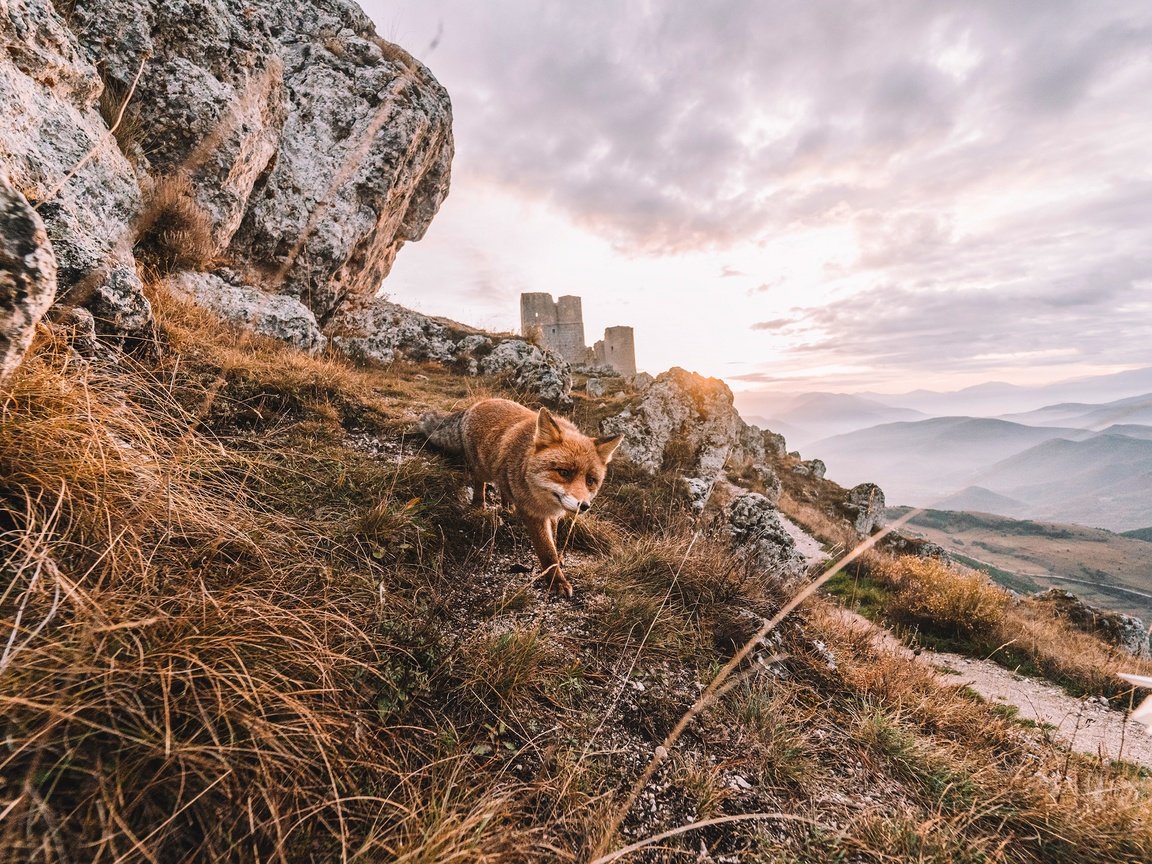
[{"x": 557, "y": 584}]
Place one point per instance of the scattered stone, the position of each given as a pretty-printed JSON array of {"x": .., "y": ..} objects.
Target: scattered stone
[
  {"x": 594, "y": 387},
  {"x": 119, "y": 306},
  {"x": 27, "y": 276},
  {"x": 275, "y": 315}
]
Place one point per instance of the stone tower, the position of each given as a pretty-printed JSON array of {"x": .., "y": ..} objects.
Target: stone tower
[
  {"x": 617, "y": 350},
  {"x": 559, "y": 326}
]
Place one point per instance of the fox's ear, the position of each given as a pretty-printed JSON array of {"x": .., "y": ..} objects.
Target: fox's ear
[
  {"x": 607, "y": 445},
  {"x": 547, "y": 430}
]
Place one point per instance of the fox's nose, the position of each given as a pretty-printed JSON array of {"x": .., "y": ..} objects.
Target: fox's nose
[{"x": 585, "y": 506}]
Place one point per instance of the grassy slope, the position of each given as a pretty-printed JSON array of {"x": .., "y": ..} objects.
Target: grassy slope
[
  {"x": 246, "y": 619},
  {"x": 1026, "y": 555}
]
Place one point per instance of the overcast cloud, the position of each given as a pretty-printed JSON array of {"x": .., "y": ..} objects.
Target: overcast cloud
[{"x": 980, "y": 169}]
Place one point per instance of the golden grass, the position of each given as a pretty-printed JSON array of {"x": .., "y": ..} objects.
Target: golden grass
[
  {"x": 174, "y": 232},
  {"x": 227, "y": 634}
]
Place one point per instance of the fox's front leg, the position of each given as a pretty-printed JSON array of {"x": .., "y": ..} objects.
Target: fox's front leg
[{"x": 542, "y": 532}]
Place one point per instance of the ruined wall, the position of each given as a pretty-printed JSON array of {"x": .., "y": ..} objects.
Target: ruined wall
[
  {"x": 559, "y": 325},
  {"x": 617, "y": 350}
]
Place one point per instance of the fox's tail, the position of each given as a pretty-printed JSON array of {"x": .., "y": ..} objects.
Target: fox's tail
[{"x": 444, "y": 431}]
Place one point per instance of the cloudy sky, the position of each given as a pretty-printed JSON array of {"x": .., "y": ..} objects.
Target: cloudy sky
[{"x": 811, "y": 194}]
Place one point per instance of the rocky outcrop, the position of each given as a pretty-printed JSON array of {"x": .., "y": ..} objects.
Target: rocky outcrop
[
  {"x": 58, "y": 152},
  {"x": 686, "y": 423},
  {"x": 864, "y": 508},
  {"x": 27, "y": 276},
  {"x": 316, "y": 147},
  {"x": 811, "y": 468},
  {"x": 757, "y": 531},
  {"x": 531, "y": 369},
  {"x": 1124, "y": 631},
  {"x": 274, "y": 315},
  {"x": 382, "y": 332}
]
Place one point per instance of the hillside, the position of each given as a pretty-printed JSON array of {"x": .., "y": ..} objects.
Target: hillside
[
  {"x": 248, "y": 614},
  {"x": 264, "y": 619},
  {"x": 1111, "y": 570}
]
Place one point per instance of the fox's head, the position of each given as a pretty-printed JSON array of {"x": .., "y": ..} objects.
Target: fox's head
[{"x": 569, "y": 464}]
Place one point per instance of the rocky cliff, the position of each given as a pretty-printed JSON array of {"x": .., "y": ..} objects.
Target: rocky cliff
[{"x": 288, "y": 144}]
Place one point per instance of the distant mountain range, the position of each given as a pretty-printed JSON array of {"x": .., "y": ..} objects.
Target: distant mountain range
[
  {"x": 1077, "y": 451},
  {"x": 1101, "y": 479}
]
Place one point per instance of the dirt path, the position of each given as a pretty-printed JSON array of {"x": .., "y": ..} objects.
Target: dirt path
[
  {"x": 1086, "y": 725},
  {"x": 1089, "y": 725}
]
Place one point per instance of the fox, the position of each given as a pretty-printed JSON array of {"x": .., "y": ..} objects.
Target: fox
[{"x": 542, "y": 466}]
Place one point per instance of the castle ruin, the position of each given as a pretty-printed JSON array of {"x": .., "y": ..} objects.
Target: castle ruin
[{"x": 560, "y": 327}]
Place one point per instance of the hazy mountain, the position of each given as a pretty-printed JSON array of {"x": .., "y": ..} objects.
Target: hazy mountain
[
  {"x": 806, "y": 417},
  {"x": 1134, "y": 410},
  {"x": 1104, "y": 480},
  {"x": 980, "y": 500},
  {"x": 996, "y": 398},
  {"x": 919, "y": 463}
]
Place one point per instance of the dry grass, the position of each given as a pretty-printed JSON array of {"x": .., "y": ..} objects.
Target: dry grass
[
  {"x": 226, "y": 634},
  {"x": 955, "y": 608},
  {"x": 173, "y": 231}
]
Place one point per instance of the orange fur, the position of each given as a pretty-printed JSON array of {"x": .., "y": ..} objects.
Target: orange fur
[{"x": 542, "y": 465}]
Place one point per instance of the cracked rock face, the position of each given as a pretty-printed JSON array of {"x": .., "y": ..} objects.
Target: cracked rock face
[
  {"x": 274, "y": 315},
  {"x": 316, "y": 147},
  {"x": 757, "y": 531},
  {"x": 864, "y": 508},
  {"x": 27, "y": 276},
  {"x": 58, "y": 152}
]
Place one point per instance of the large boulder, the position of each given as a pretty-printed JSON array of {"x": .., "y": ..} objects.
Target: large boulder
[
  {"x": 687, "y": 423},
  {"x": 316, "y": 147},
  {"x": 27, "y": 276},
  {"x": 1124, "y": 631},
  {"x": 682, "y": 422},
  {"x": 864, "y": 507},
  {"x": 60, "y": 155},
  {"x": 274, "y": 315},
  {"x": 757, "y": 531}
]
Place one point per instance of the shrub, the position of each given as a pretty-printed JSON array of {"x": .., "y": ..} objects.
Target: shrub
[{"x": 941, "y": 598}]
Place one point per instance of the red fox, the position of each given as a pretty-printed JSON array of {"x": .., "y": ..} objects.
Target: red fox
[{"x": 542, "y": 465}]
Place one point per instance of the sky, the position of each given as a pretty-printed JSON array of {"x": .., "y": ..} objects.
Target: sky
[{"x": 805, "y": 195}]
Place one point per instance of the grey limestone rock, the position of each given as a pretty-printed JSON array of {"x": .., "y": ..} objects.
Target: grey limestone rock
[
  {"x": 683, "y": 422},
  {"x": 811, "y": 468},
  {"x": 528, "y": 367},
  {"x": 59, "y": 154},
  {"x": 757, "y": 530},
  {"x": 318, "y": 148},
  {"x": 275, "y": 315},
  {"x": 27, "y": 276},
  {"x": 594, "y": 387},
  {"x": 381, "y": 331},
  {"x": 119, "y": 306},
  {"x": 864, "y": 507}
]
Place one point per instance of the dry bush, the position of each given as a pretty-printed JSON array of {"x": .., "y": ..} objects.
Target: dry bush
[
  {"x": 173, "y": 231},
  {"x": 130, "y": 132},
  {"x": 942, "y": 598}
]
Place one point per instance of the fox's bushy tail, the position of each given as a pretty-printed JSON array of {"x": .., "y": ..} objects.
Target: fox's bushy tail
[{"x": 444, "y": 431}]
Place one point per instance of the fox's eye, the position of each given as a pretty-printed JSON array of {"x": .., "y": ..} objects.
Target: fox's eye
[
  {"x": 565, "y": 473},
  {"x": 591, "y": 481}
]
